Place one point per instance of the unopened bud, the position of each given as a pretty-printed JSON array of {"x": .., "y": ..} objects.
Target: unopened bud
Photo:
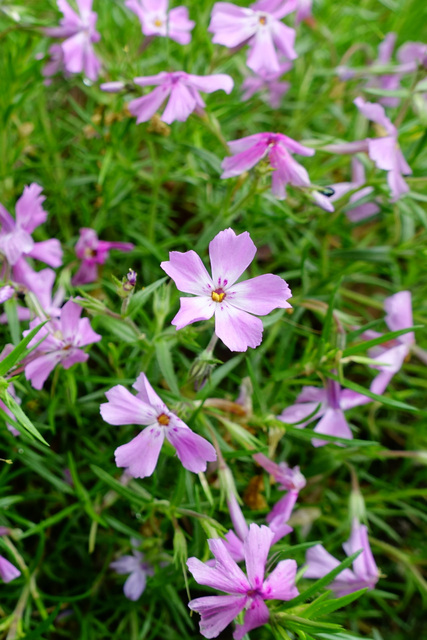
[
  {"x": 357, "y": 507},
  {"x": 180, "y": 553}
]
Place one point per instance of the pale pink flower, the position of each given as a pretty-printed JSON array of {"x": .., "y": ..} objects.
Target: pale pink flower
[
  {"x": 157, "y": 20},
  {"x": 79, "y": 33},
  {"x": 269, "y": 84},
  {"x": 8, "y": 571},
  {"x": 65, "y": 338},
  {"x": 245, "y": 591},
  {"x": 92, "y": 252},
  {"x": 232, "y": 303},
  {"x": 182, "y": 89},
  {"x": 357, "y": 212},
  {"x": 15, "y": 234},
  {"x": 137, "y": 569},
  {"x": 140, "y": 455},
  {"x": 260, "y": 27},
  {"x": 290, "y": 480},
  {"x": 329, "y": 405},
  {"x": 365, "y": 572}
]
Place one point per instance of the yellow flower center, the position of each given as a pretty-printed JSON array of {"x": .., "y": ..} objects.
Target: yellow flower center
[
  {"x": 158, "y": 22},
  {"x": 163, "y": 419},
  {"x": 262, "y": 20},
  {"x": 218, "y": 296}
]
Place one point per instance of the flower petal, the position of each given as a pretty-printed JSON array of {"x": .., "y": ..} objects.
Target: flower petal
[
  {"x": 230, "y": 256},
  {"x": 260, "y": 295},
  {"x": 320, "y": 562},
  {"x": 125, "y": 408},
  {"x": 181, "y": 103},
  {"x": 7, "y": 571},
  {"x": 243, "y": 161},
  {"x": 194, "y": 310},
  {"x": 147, "y": 394},
  {"x": 364, "y": 566},
  {"x": 256, "y": 615},
  {"x": 217, "y": 612},
  {"x": 280, "y": 584},
  {"x": 193, "y": 451},
  {"x": 188, "y": 272},
  {"x": 38, "y": 370},
  {"x": 256, "y": 547},
  {"x": 140, "y": 455},
  {"x": 399, "y": 314},
  {"x": 135, "y": 585},
  {"x": 333, "y": 423},
  {"x": 144, "y": 108},
  {"x": 237, "y": 329}
]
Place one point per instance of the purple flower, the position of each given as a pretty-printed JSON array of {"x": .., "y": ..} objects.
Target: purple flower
[
  {"x": 55, "y": 64},
  {"x": 269, "y": 83},
  {"x": 258, "y": 26},
  {"x": 232, "y": 303},
  {"x": 290, "y": 480},
  {"x": 359, "y": 211},
  {"x": 93, "y": 252},
  {"x": 65, "y": 338},
  {"x": 391, "y": 357},
  {"x": 413, "y": 54},
  {"x": 304, "y": 9},
  {"x": 365, "y": 572},
  {"x": 140, "y": 455},
  {"x": 7, "y": 571},
  {"x": 138, "y": 570},
  {"x": 385, "y": 151},
  {"x": 6, "y": 293},
  {"x": 333, "y": 402},
  {"x": 79, "y": 33},
  {"x": 245, "y": 591},
  {"x": 182, "y": 89},
  {"x": 156, "y": 20},
  {"x": 276, "y": 148},
  {"x": 15, "y": 235}
]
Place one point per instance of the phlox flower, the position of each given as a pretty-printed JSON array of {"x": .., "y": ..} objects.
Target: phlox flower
[
  {"x": 392, "y": 356},
  {"x": 357, "y": 212},
  {"x": 275, "y": 148},
  {"x": 290, "y": 480},
  {"x": 157, "y": 20},
  {"x": 137, "y": 569},
  {"x": 65, "y": 338},
  {"x": 92, "y": 252},
  {"x": 260, "y": 27},
  {"x": 8, "y": 571},
  {"x": 365, "y": 572},
  {"x": 333, "y": 402},
  {"x": 232, "y": 303},
  {"x": 140, "y": 455},
  {"x": 384, "y": 151},
  {"x": 182, "y": 89},
  {"x": 79, "y": 33},
  {"x": 15, "y": 234},
  {"x": 269, "y": 83},
  {"x": 245, "y": 591}
]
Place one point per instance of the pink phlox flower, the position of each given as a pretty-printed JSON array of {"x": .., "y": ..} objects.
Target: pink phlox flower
[
  {"x": 290, "y": 480},
  {"x": 140, "y": 455},
  {"x": 55, "y": 64},
  {"x": 157, "y": 20},
  {"x": 15, "y": 234},
  {"x": 275, "y": 148},
  {"x": 137, "y": 569},
  {"x": 384, "y": 151},
  {"x": 79, "y": 33},
  {"x": 365, "y": 572},
  {"x": 357, "y": 212},
  {"x": 182, "y": 89},
  {"x": 413, "y": 54},
  {"x": 260, "y": 27},
  {"x": 268, "y": 84},
  {"x": 398, "y": 309},
  {"x": 333, "y": 402},
  {"x": 8, "y": 571},
  {"x": 245, "y": 591},
  {"x": 65, "y": 338},
  {"x": 221, "y": 296},
  {"x": 93, "y": 252},
  {"x": 6, "y": 293}
]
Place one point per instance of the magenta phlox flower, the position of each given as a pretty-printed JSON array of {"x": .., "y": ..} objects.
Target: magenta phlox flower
[
  {"x": 65, "y": 338},
  {"x": 137, "y": 569},
  {"x": 268, "y": 84},
  {"x": 231, "y": 302},
  {"x": 79, "y": 33},
  {"x": 398, "y": 316},
  {"x": 384, "y": 151},
  {"x": 157, "y": 20},
  {"x": 357, "y": 212},
  {"x": 245, "y": 591},
  {"x": 182, "y": 89},
  {"x": 290, "y": 480},
  {"x": 260, "y": 27},
  {"x": 92, "y": 252},
  {"x": 333, "y": 402},
  {"x": 365, "y": 572},
  {"x": 15, "y": 234},
  {"x": 140, "y": 455}
]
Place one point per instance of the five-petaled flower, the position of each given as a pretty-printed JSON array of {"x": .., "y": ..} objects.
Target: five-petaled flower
[
  {"x": 182, "y": 89},
  {"x": 232, "y": 303},
  {"x": 140, "y": 455},
  {"x": 65, "y": 338},
  {"x": 258, "y": 26},
  {"x": 157, "y": 20},
  {"x": 290, "y": 480},
  {"x": 92, "y": 252},
  {"x": 365, "y": 573},
  {"x": 138, "y": 570},
  {"x": 245, "y": 591}
]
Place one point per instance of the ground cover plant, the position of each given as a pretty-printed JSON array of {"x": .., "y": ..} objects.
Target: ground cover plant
[{"x": 213, "y": 247}]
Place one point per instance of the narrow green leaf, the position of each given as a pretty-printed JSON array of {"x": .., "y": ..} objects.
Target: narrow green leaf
[
  {"x": 16, "y": 355},
  {"x": 164, "y": 359},
  {"x": 23, "y": 420},
  {"x": 43, "y": 626},
  {"x": 385, "y": 337}
]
